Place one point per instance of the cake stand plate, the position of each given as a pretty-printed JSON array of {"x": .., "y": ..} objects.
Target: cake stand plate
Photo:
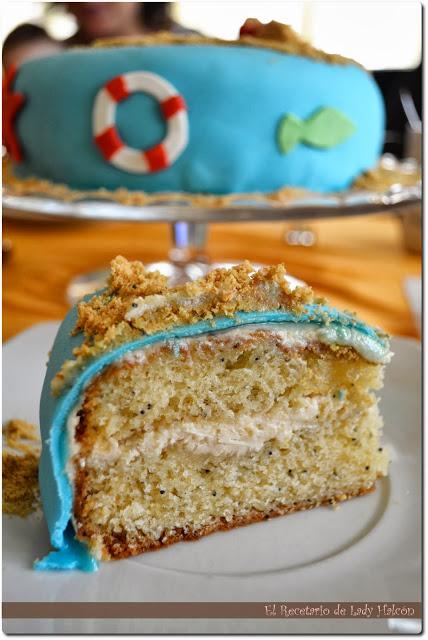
[
  {"x": 299, "y": 207},
  {"x": 367, "y": 550},
  {"x": 187, "y": 259}
]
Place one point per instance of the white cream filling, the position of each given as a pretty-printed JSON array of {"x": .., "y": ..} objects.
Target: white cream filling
[
  {"x": 142, "y": 305},
  {"x": 236, "y": 436},
  {"x": 73, "y": 451},
  {"x": 73, "y": 446},
  {"x": 293, "y": 335}
]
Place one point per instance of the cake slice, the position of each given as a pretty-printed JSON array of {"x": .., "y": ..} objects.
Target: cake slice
[{"x": 171, "y": 413}]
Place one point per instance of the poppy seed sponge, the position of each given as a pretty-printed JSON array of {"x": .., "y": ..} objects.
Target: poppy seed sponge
[
  {"x": 197, "y": 116},
  {"x": 173, "y": 413}
]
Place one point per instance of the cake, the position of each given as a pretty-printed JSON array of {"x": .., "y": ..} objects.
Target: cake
[
  {"x": 198, "y": 117},
  {"x": 171, "y": 413}
]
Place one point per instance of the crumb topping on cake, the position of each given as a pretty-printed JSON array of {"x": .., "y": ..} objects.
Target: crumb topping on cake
[
  {"x": 381, "y": 178},
  {"x": 20, "y": 468},
  {"x": 377, "y": 179},
  {"x": 145, "y": 301},
  {"x": 139, "y": 302},
  {"x": 17, "y": 432},
  {"x": 273, "y": 35},
  {"x": 39, "y": 186}
]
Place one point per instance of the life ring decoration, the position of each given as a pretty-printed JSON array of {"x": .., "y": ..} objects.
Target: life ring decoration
[{"x": 106, "y": 135}]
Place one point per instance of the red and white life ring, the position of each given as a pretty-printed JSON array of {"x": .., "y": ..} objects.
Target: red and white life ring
[{"x": 106, "y": 135}]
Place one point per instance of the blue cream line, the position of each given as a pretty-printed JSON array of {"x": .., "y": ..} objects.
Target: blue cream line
[{"x": 72, "y": 554}]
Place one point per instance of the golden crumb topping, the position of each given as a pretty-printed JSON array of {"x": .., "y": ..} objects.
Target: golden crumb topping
[
  {"x": 38, "y": 186},
  {"x": 20, "y": 468},
  {"x": 381, "y": 178},
  {"x": 127, "y": 281},
  {"x": 16, "y": 432},
  {"x": 144, "y": 300},
  {"x": 274, "y": 35},
  {"x": 378, "y": 179},
  {"x": 138, "y": 302}
]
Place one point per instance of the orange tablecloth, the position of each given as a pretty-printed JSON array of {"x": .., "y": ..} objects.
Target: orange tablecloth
[{"x": 357, "y": 263}]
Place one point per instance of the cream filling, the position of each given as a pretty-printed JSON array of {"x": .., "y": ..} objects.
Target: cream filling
[
  {"x": 73, "y": 446},
  {"x": 291, "y": 335},
  {"x": 142, "y": 305},
  {"x": 238, "y": 435},
  {"x": 73, "y": 451}
]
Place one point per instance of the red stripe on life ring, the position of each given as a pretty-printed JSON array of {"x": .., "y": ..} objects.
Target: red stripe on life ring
[
  {"x": 172, "y": 105},
  {"x": 109, "y": 142},
  {"x": 117, "y": 89},
  {"x": 157, "y": 158}
]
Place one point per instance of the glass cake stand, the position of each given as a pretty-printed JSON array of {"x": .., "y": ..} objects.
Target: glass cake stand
[{"x": 187, "y": 257}]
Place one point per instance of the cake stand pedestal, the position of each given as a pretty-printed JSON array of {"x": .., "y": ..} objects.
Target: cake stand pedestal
[
  {"x": 187, "y": 258},
  {"x": 186, "y": 261}
]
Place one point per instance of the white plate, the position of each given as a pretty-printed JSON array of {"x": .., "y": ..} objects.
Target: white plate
[{"x": 367, "y": 550}]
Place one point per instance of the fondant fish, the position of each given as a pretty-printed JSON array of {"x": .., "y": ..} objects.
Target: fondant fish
[{"x": 326, "y": 128}]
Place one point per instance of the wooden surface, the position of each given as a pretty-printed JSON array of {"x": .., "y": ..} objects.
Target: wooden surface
[{"x": 357, "y": 263}]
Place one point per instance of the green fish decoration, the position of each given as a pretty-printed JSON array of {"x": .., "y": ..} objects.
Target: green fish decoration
[{"x": 326, "y": 128}]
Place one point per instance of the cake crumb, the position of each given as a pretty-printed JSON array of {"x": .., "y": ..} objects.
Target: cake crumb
[
  {"x": 21, "y": 495},
  {"x": 15, "y": 431},
  {"x": 273, "y": 35},
  {"x": 380, "y": 179},
  {"x": 138, "y": 302}
]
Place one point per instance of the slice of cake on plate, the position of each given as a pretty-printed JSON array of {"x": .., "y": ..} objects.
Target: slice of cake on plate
[{"x": 171, "y": 413}]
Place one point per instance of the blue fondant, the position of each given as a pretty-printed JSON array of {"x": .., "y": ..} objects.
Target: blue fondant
[
  {"x": 140, "y": 106},
  {"x": 55, "y": 488},
  {"x": 235, "y": 95},
  {"x": 71, "y": 555}
]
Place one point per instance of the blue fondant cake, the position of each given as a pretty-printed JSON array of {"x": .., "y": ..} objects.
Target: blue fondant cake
[
  {"x": 254, "y": 326},
  {"x": 197, "y": 118}
]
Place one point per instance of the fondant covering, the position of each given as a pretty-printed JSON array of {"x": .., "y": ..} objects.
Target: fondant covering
[
  {"x": 236, "y": 98},
  {"x": 56, "y": 492}
]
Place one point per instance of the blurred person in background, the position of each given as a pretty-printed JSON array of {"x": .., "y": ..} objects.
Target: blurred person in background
[
  {"x": 26, "y": 42},
  {"x": 115, "y": 19},
  {"x": 94, "y": 20}
]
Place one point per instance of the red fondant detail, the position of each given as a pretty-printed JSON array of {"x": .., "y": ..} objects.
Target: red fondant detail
[
  {"x": 109, "y": 142},
  {"x": 117, "y": 89},
  {"x": 250, "y": 27},
  {"x": 157, "y": 158},
  {"x": 172, "y": 105},
  {"x": 11, "y": 104}
]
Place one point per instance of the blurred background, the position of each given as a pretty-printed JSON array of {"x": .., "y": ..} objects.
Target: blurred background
[
  {"x": 371, "y": 263},
  {"x": 386, "y": 37}
]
